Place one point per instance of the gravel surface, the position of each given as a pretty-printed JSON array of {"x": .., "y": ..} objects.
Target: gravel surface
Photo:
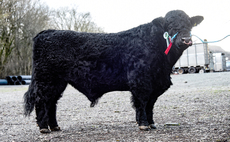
[{"x": 195, "y": 108}]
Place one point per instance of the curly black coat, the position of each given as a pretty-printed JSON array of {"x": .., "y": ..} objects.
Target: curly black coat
[{"x": 96, "y": 63}]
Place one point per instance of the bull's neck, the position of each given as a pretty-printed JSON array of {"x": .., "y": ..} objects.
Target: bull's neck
[{"x": 173, "y": 56}]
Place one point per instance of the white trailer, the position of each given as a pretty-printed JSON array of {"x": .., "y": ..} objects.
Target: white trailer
[
  {"x": 219, "y": 60},
  {"x": 197, "y": 58},
  {"x": 194, "y": 59}
]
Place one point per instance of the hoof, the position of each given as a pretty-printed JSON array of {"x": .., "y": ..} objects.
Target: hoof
[
  {"x": 45, "y": 131},
  {"x": 152, "y": 126},
  {"x": 55, "y": 129},
  {"x": 144, "y": 128}
]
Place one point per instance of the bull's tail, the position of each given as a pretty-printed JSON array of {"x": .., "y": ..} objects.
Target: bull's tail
[{"x": 29, "y": 99}]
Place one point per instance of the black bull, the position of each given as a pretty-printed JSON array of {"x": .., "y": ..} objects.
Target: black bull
[{"x": 96, "y": 63}]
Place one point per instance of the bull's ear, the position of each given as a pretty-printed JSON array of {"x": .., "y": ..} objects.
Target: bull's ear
[{"x": 196, "y": 20}]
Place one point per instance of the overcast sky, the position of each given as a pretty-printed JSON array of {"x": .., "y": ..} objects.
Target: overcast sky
[{"x": 119, "y": 15}]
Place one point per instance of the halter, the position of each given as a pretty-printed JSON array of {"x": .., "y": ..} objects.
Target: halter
[{"x": 169, "y": 41}]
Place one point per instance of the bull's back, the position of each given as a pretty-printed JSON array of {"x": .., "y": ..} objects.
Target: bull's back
[{"x": 81, "y": 56}]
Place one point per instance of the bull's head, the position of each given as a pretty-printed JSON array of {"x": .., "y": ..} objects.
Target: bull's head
[{"x": 178, "y": 22}]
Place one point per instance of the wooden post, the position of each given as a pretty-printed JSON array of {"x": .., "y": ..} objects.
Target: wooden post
[{"x": 208, "y": 57}]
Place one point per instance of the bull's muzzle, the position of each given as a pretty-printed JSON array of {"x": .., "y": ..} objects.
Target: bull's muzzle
[{"x": 187, "y": 40}]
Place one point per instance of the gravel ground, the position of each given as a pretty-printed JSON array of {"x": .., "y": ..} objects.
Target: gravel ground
[{"x": 198, "y": 103}]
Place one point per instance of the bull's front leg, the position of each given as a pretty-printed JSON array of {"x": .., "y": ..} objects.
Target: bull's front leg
[
  {"x": 149, "y": 112},
  {"x": 150, "y": 106},
  {"x": 141, "y": 116}
]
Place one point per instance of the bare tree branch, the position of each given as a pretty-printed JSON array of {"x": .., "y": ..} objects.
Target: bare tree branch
[{"x": 69, "y": 19}]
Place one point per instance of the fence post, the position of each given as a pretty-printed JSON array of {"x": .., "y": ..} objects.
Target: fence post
[
  {"x": 208, "y": 57},
  {"x": 211, "y": 65}
]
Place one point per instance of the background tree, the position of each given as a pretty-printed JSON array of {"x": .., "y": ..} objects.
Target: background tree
[
  {"x": 32, "y": 17},
  {"x": 21, "y": 20},
  {"x": 66, "y": 18},
  {"x": 7, "y": 30}
]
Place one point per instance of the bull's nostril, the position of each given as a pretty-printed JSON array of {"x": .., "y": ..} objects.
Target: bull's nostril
[{"x": 186, "y": 39}]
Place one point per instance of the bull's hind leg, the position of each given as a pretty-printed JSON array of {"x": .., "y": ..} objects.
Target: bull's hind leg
[
  {"x": 46, "y": 106},
  {"x": 41, "y": 107},
  {"x": 52, "y": 117}
]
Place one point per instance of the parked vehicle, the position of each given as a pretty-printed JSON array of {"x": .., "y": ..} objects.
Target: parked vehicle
[
  {"x": 228, "y": 65},
  {"x": 197, "y": 58},
  {"x": 219, "y": 61}
]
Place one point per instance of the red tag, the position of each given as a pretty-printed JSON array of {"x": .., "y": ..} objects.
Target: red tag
[{"x": 169, "y": 47}]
